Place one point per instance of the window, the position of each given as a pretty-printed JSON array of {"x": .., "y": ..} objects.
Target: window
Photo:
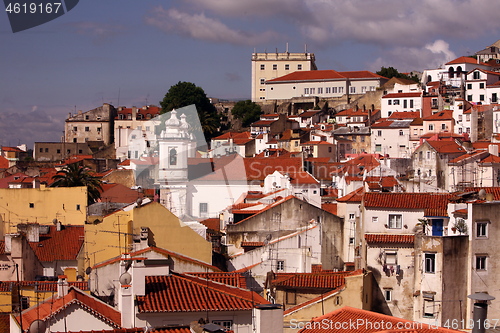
[
  {"x": 334, "y": 90},
  {"x": 428, "y": 305},
  {"x": 396, "y": 102},
  {"x": 481, "y": 263},
  {"x": 351, "y": 240},
  {"x": 459, "y": 118},
  {"x": 299, "y": 67},
  {"x": 75, "y": 129},
  {"x": 494, "y": 98},
  {"x": 481, "y": 229},
  {"x": 379, "y": 133},
  {"x": 389, "y": 102},
  {"x": 280, "y": 265},
  {"x": 86, "y": 117},
  {"x": 87, "y": 129},
  {"x": 374, "y": 219},
  {"x": 411, "y": 104},
  {"x": 443, "y": 126},
  {"x": 25, "y": 302},
  {"x": 341, "y": 90},
  {"x": 173, "y": 156},
  {"x": 80, "y": 151},
  {"x": 287, "y": 67},
  {"x": 401, "y": 133},
  {"x": 351, "y": 216},
  {"x": 262, "y": 81},
  {"x": 262, "y": 67},
  {"x": 469, "y": 98},
  {"x": 328, "y": 90},
  {"x": 320, "y": 90},
  {"x": 77, "y": 207},
  {"x": 481, "y": 85},
  {"x": 469, "y": 85},
  {"x": 391, "y": 257},
  {"x": 228, "y": 324},
  {"x": 481, "y": 97},
  {"x": 476, "y": 75},
  {"x": 431, "y": 127},
  {"x": 203, "y": 207},
  {"x": 405, "y": 103},
  {"x": 395, "y": 221},
  {"x": 58, "y": 151},
  {"x": 98, "y": 130},
  {"x": 388, "y": 294},
  {"x": 313, "y": 90},
  {"x": 378, "y": 147},
  {"x": 306, "y": 91},
  {"x": 41, "y": 150},
  {"x": 32, "y": 205},
  {"x": 275, "y": 67},
  {"x": 429, "y": 263},
  {"x": 352, "y": 90},
  {"x": 428, "y": 155}
]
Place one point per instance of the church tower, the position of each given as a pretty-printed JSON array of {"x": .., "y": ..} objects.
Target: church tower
[{"x": 175, "y": 146}]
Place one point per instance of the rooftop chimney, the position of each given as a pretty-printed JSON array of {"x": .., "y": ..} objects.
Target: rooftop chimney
[
  {"x": 62, "y": 286},
  {"x": 493, "y": 149},
  {"x": 480, "y": 311}
]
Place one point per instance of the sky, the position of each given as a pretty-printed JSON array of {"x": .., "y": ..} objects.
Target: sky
[{"x": 130, "y": 52}]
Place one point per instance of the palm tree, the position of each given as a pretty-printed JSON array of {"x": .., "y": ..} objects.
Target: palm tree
[{"x": 73, "y": 175}]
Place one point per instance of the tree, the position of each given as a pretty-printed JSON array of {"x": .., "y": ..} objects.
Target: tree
[
  {"x": 187, "y": 93},
  {"x": 247, "y": 111},
  {"x": 390, "y": 72},
  {"x": 73, "y": 175}
]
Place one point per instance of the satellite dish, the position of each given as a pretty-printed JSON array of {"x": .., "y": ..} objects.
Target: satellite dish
[
  {"x": 54, "y": 221},
  {"x": 125, "y": 278},
  {"x": 482, "y": 194},
  {"x": 88, "y": 270},
  {"x": 138, "y": 202},
  {"x": 37, "y": 326}
]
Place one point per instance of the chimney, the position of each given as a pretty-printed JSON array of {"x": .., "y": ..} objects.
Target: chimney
[
  {"x": 480, "y": 311},
  {"x": 62, "y": 286},
  {"x": 134, "y": 113},
  {"x": 268, "y": 318},
  {"x": 493, "y": 149}
]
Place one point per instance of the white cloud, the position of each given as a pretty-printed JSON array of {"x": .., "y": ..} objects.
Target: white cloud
[
  {"x": 382, "y": 22},
  {"x": 405, "y": 59},
  {"x": 199, "y": 26}
]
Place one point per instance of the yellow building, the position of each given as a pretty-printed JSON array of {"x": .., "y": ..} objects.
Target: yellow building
[
  {"x": 42, "y": 205},
  {"x": 115, "y": 234}
]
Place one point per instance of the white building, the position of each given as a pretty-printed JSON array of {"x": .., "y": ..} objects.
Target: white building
[{"x": 322, "y": 83}]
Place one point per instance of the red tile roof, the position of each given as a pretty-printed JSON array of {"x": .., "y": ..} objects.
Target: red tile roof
[
  {"x": 324, "y": 75},
  {"x": 465, "y": 60},
  {"x": 366, "y": 322},
  {"x": 405, "y": 115},
  {"x": 54, "y": 305},
  {"x": 14, "y": 149},
  {"x": 443, "y": 115},
  {"x": 330, "y": 207},
  {"x": 354, "y": 196},
  {"x": 390, "y": 238},
  {"x": 234, "y": 135},
  {"x": 184, "y": 293},
  {"x": 212, "y": 223},
  {"x": 229, "y": 278},
  {"x": 321, "y": 280},
  {"x": 42, "y": 286},
  {"x": 4, "y": 163},
  {"x": 59, "y": 245},
  {"x": 252, "y": 244},
  {"x": 431, "y": 202},
  {"x": 446, "y": 147}
]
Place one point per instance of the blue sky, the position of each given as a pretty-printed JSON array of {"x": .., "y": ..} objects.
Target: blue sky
[{"x": 132, "y": 50}]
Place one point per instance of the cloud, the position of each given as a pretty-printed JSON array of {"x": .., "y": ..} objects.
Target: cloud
[
  {"x": 232, "y": 77},
  {"x": 405, "y": 59},
  {"x": 28, "y": 127},
  {"x": 201, "y": 27},
  {"x": 99, "y": 31},
  {"x": 381, "y": 22}
]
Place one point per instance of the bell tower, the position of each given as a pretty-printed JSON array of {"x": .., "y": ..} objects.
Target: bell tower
[{"x": 175, "y": 146}]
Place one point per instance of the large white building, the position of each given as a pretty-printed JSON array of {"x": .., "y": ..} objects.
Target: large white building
[
  {"x": 322, "y": 83},
  {"x": 267, "y": 66}
]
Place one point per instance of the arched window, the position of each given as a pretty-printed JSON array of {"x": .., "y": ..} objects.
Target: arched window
[
  {"x": 429, "y": 78},
  {"x": 451, "y": 73},
  {"x": 173, "y": 156},
  {"x": 459, "y": 71}
]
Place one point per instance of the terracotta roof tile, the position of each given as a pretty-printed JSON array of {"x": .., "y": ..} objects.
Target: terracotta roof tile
[
  {"x": 320, "y": 280},
  {"x": 390, "y": 238},
  {"x": 324, "y": 75},
  {"x": 354, "y": 196},
  {"x": 466, "y": 60},
  {"x": 229, "y": 278},
  {"x": 59, "y": 245},
  {"x": 252, "y": 244},
  {"x": 423, "y": 201},
  {"x": 54, "y": 305},
  {"x": 348, "y": 315},
  {"x": 405, "y": 115},
  {"x": 183, "y": 293},
  {"x": 446, "y": 147},
  {"x": 403, "y": 95},
  {"x": 330, "y": 207}
]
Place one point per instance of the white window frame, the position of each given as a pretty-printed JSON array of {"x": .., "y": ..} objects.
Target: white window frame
[
  {"x": 430, "y": 263},
  {"x": 395, "y": 221},
  {"x": 482, "y": 229}
]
